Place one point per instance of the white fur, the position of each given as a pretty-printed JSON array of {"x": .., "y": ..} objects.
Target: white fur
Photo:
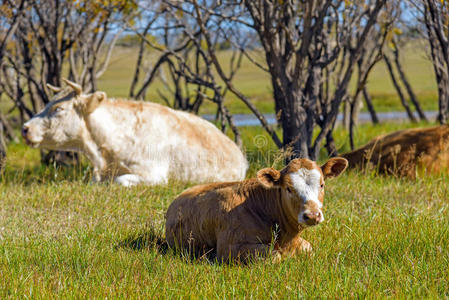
[
  {"x": 139, "y": 142},
  {"x": 307, "y": 185},
  {"x": 128, "y": 180}
]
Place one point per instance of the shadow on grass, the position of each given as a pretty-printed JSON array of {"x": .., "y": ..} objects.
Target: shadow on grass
[
  {"x": 46, "y": 173},
  {"x": 153, "y": 240},
  {"x": 144, "y": 241}
]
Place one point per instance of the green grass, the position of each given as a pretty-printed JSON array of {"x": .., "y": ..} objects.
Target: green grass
[{"x": 61, "y": 236}]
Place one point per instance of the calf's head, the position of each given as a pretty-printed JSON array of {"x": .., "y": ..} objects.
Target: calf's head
[
  {"x": 60, "y": 125},
  {"x": 302, "y": 187}
]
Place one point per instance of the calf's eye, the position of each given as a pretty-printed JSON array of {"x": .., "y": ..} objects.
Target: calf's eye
[{"x": 289, "y": 190}]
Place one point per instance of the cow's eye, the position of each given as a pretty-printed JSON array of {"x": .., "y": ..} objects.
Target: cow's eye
[
  {"x": 57, "y": 109},
  {"x": 322, "y": 185},
  {"x": 289, "y": 190}
]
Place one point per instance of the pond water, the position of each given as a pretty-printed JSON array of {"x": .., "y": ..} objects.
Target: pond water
[{"x": 251, "y": 120}]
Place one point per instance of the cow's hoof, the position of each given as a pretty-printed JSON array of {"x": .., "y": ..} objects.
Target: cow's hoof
[
  {"x": 276, "y": 258},
  {"x": 128, "y": 180},
  {"x": 306, "y": 246}
]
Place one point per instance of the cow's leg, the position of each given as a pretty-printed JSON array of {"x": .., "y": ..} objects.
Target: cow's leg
[
  {"x": 304, "y": 245},
  {"x": 298, "y": 244},
  {"x": 291, "y": 248},
  {"x": 241, "y": 252},
  {"x": 97, "y": 175},
  {"x": 155, "y": 173},
  {"x": 128, "y": 180},
  {"x": 90, "y": 149}
]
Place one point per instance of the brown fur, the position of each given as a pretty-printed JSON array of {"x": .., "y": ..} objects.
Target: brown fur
[
  {"x": 238, "y": 220},
  {"x": 405, "y": 152}
]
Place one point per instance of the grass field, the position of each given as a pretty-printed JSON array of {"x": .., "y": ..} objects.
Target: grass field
[{"x": 63, "y": 237}]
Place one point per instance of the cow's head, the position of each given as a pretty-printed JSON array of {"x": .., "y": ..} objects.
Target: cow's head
[
  {"x": 302, "y": 186},
  {"x": 60, "y": 125}
]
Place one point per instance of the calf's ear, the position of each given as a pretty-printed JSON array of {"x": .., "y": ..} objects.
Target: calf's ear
[
  {"x": 269, "y": 177},
  {"x": 334, "y": 167},
  {"x": 93, "y": 101}
]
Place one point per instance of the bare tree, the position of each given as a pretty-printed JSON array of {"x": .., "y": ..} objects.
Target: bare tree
[
  {"x": 10, "y": 14},
  {"x": 52, "y": 35},
  {"x": 370, "y": 106},
  {"x": 2, "y": 148},
  {"x": 302, "y": 43},
  {"x": 403, "y": 77},
  {"x": 399, "y": 89},
  {"x": 181, "y": 62},
  {"x": 371, "y": 54},
  {"x": 434, "y": 15},
  {"x": 397, "y": 41}
]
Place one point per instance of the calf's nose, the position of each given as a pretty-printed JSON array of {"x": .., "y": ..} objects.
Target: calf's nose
[{"x": 312, "y": 218}]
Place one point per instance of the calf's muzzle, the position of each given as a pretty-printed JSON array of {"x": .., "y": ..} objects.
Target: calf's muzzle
[{"x": 312, "y": 218}]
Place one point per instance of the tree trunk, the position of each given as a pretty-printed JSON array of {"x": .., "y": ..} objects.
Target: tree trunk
[
  {"x": 8, "y": 131},
  {"x": 356, "y": 105},
  {"x": 370, "y": 106},
  {"x": 433, "y": 20},
  {"x": 330, "y": 145},
  {"x": 293, "y": 122},
  {"x": 297, "y": 111},
  {"x": 346, "y": 113},
  {"x": 398, "y": 90},
  {"x": 408, "y": 87},
  {"x": 443, "y": 99},
  {"x": 441, "y": 75},
  {"x": 2, "y": 149}
]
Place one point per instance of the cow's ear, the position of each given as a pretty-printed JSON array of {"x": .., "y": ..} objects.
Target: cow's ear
[
  {"x": 93, "y": 101},
  {"x": 334, "y": 167},
  {"x": 269, "y": 177},
  {"x": 76, "y": 87},
  {"x": 55, "y": 89}
]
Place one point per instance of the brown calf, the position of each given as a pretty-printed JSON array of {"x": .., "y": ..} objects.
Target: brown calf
[
  {"x": 405, "y": 152},
  {"x": 237, "y": 219}
]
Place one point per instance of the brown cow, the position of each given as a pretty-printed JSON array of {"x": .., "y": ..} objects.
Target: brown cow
[
  {"x": 238, "y": 220},
  {"x": 404, "y": 152}
]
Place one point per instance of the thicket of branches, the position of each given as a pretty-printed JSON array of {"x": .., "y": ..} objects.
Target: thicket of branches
[
  {"x": 433, "y": 17},
  {"x": 48, "y": 40},
  {"x": 310, "y": 49}
]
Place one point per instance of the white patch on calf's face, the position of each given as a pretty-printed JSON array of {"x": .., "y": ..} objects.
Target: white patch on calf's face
[{"x": 307, "y": 186}]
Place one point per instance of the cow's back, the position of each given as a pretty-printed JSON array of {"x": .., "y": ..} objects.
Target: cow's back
[
  {"x": 145, "y": 137},
  {"x": 402, "y": 151},
  {"x": 208, "y": 155},
  {"x": 195, "y": 216}
]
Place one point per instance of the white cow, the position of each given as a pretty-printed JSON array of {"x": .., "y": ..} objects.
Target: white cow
[{"x": 135, "y": 142}]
